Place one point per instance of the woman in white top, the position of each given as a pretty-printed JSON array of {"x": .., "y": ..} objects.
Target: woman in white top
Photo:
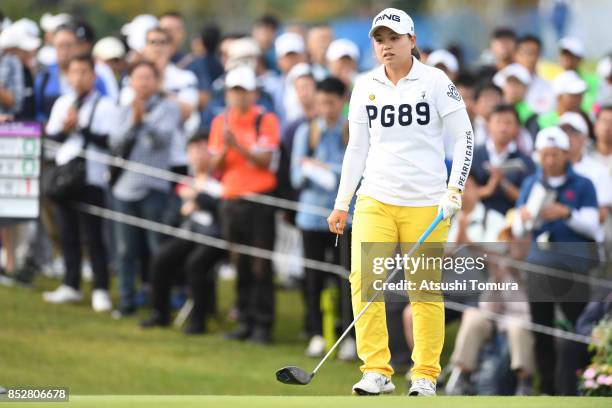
[{"x": 396, "y": 116}]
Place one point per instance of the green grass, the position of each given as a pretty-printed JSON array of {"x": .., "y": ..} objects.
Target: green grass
[
  {"x": 148, "y": 401},
  {"x": 104, "y": 361}
]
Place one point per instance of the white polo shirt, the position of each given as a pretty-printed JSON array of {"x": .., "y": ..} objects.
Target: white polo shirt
[{"x": 405, "y": 160}]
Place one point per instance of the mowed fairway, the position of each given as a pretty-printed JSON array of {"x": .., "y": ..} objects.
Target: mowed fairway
[
  {"x": 318, "y": 402},
  {"x": 108, "y": 363}
]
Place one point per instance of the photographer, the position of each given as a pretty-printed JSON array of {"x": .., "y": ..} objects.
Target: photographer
[{"x": 79, "y": 120}]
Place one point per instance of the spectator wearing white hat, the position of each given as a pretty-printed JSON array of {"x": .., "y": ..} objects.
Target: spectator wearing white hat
[
  {"x": 111, "y": 52},
  {"x": 445, "y": 61},
  {"x": 290, "y": 51},
  {"x": 243, "y": 140},
  {"x": 514, "y": 81},
  {"x": 540, "y": 96},
  {"x": 343, "y": 60},
  {"x": 571, "y": 55},
  {"x": 19, "y": 41},
  {"x": 577, "y": 129},
  {"x": 572, "y": 217},
  {"x": 136, "y": 32},
  {"x": 569, "y": 89},
  {"x": 318, "y": 40},
  {"x": 50, "y": 23}
]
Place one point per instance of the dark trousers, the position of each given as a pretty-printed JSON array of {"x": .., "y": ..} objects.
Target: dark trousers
[
  {"x": 71, "y": 222},
  {"x": 546, "y": 353},
  {"x": 320, "y": 246},
  {"x": 178, "y": 259},
  {"x": 251, "y": 224}
]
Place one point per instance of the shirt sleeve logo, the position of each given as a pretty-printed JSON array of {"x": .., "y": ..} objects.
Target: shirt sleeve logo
[{"x": 453, "y": 92}]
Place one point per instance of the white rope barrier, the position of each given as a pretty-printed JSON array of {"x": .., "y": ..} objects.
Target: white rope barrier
[{"x": 309, "y": 263}]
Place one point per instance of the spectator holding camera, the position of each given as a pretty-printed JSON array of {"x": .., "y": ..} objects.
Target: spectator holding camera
[
  {"x": 558, "y": 206},
  {"x": 499, "y": 167},
  {"x": 143, "y": 133},
  {"x": 82, "y": 119}
]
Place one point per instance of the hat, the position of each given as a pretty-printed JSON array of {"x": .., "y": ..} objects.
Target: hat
[
  {"x": 298, "y": 70},
  {"x": 243, "y": 48},
  {"x": 27, "y": 26},
  {"x": 445, "y": 58},
  {"x": 287, "y": 43},
  {"x": 394, "y": 19},
  {"x": 342, "y": 48},
  {"x": 241, "y": 77},
  {"x": 604, "y": 67},
  {"x": 569, "y": 82},
  {"x": 512, "y": 71},
  {"x": 552, "y": 137},
  {"x": 108, "y": 48},
  {"x": 576, "y": 121},
  {"x": 572, "y": 45},
  {"x": 15, "y": 36},
  {"x": 50, "y": 22},
  {"x": 137, "y": 29}
]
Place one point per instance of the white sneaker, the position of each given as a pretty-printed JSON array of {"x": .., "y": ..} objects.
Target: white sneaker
[
  {"x": 422, "y": 387},
  {"x": 373, "y": 384},
  {"x": 63, "y": 294},
  {"x": 101, "y": 301},
  {"x": 347, "y": 350},
  {"x": 316, "y": 346}
]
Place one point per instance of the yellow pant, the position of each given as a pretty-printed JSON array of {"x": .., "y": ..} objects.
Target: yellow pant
[{"x": 374, "y": 221}]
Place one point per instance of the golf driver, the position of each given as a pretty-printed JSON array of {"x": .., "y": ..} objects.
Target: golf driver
[{"x": 297, "y": 376}]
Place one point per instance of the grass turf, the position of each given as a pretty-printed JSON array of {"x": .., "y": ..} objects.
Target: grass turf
[
  {"x": 92, "y": 354},
  {"x": 148, "y": 401}
]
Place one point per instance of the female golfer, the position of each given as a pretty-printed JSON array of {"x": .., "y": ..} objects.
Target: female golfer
[{"x": 396, "y": 116}]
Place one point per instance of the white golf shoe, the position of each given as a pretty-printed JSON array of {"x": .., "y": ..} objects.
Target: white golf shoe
[
  {"x": 63, "y": 294},
  {"x": 422, "y": 387},
  {"x": 373, "y": 384},
  {"x": 316, "y": 346},
  {"x": 101, "y": 301}
]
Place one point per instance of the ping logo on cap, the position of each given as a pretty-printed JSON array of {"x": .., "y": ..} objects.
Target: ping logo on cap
[{"x": 392, "y": 17}]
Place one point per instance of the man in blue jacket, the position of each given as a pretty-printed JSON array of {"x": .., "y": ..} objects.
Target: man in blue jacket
[{"x": 568, "y": 224}]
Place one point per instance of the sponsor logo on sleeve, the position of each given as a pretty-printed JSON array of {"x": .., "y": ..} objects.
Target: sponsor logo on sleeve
[{"x": 453, "y": 92}]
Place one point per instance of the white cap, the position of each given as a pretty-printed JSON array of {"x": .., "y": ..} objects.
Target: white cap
[
  {"x": 552, "y": 137},
  {"x": 16, "y": 36},
  {"x": 569, "y": 82},
  {"x": 137, "y": 29},
  {"x": 573, "y": 45},
  {"x": 241, "y": 77},
  {"x": 298, "y": 70},
  {"x": 27, "y": 26},
  {"x": 50, "y": 22},
  {"x": 604, "y": 67},
  {"x": 396, "y": 20},
  {"x": 243, "y": 48},
  {"x": 108, "y": 48},
  {"x": 576, "y": 121},
  {"x": 512, "y": 71},
  {"x": 445, "y": 58},
  {"x": 342, "y": 48},
  {"x": 287, "y": 43}
]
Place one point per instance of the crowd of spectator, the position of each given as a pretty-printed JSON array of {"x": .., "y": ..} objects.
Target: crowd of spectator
[{"x": 265, "y": 112}]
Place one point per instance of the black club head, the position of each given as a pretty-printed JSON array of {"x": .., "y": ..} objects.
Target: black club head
[{"x": 293, "y": 375}]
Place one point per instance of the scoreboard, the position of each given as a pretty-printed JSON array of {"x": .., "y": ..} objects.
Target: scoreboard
[{"x": 20, "y": 152}]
